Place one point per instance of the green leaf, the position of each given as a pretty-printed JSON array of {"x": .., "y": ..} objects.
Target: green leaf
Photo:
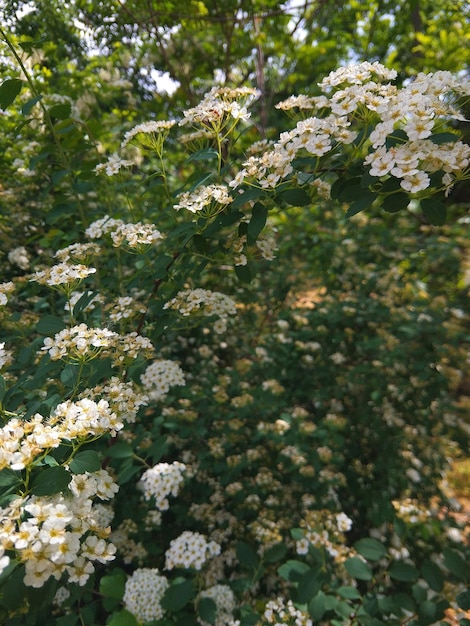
[
  {"x": 463, "y": 600},
  {"x": 83, "y": 301},
  {"x": 317, "y": 606},
  {"x": 404, "y": 601},
  {"x": 207, "y": 610},
  {"x": 60, "y": 111},
  {"x": 341, "y": 188},
  {"x": 9, "y": 89},
  {"x": 8, "y": 478},
  {"x": 456, "y": 564},
  {"x": 276, "y": 553},
  {"x": 297, "y": 533},
  {"x": 358, "y": 569},
  {"x": 180, "y": 592},
  {"x": 51, "y": 481},
  {"x": 247, "y": 555},
  {"x": 204, "y": 155},
  {"x": 85, "y": 461},
  {"x": 50, "y": 324},
  {"x": 440, "y": 138},
  {"x": 157, "y": 450},
  {"x": 434, "y": 210},
  {"x": 433, "y": 575},
  {"x": 292, "y": 570},
  {"x": 419, "y": 592},
  {"x": 365, "y": 200},
  {"x": 243, "y": 273},
  {"x": 258, "y": 220},
  {"x": 396, "y": 202},
  {"x": 13, "y": 589},
  {"x": 27, "y": 106},
  {"x": 29, "y": 44},
  {"x": 59, "y": 175},
  {"x": 247, "y": 196},
  {"x": 113, "y": 586},
  {"x": 342, "y": 608},
  {"x": 126, "y": 471},
  {"x": 427, "y": 613},
  {"x": 308, "y": 586},
  {"x": 350, "y": 593},
  {"x": 122, "y": 618},
  {"x": 296, "y": 197},
  {"x": 370, "y": 548},
  {"x": 66, "y": 620},
  {"x": 403, "y": 571}
]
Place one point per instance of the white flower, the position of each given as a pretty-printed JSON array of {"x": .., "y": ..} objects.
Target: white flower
[{"x": 415, "y": 182}]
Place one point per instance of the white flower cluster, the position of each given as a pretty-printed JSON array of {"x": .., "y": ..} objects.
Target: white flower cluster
[
  {"x": 133, "y": 235},
  {"x": 63, "y": 274},
  {"x": 323, "y": 529},
  {"x": 221, "y": 106},
  {"x": 265, "y": 243},
  {"x": 209, "y": 199},
  {"x": 411, "y": 511},
  {"x": 19, "y": 256},
  {"x": 78, "y": 252},
  {"x": 5, "y": 290},
  {"x": 85, "y": 418},
  {"x": 357, "y": 74},
  {"x": 190, "y": 550},
  {"x": 113, "y": 165},
  {"x": 53, "y": 535},
  {"x": 152, "y": 128},
  {"x": 162, "y": 480},
  {"x": 143, "y": 593},
  {"x": 282, "y": 613},
  {"x": 418, "y": 110},
  {"x": 204, "y": 302},
  {"x": 79, "y": 343},
  {"x": 121, "y": 396},
  {"x": 224, "y": 599},
  {"x": 124, "y": 308},
  {"x": 128, "y": 347},
  {"x": 22, "y": 441},
  {"x": 160, "y": 376}
]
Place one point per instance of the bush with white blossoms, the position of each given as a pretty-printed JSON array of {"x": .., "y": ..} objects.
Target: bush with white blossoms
[{"x": 281, "y": 479}]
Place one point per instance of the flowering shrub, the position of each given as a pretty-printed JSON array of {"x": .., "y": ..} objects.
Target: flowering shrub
[{"x": 267, "y": 463}]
